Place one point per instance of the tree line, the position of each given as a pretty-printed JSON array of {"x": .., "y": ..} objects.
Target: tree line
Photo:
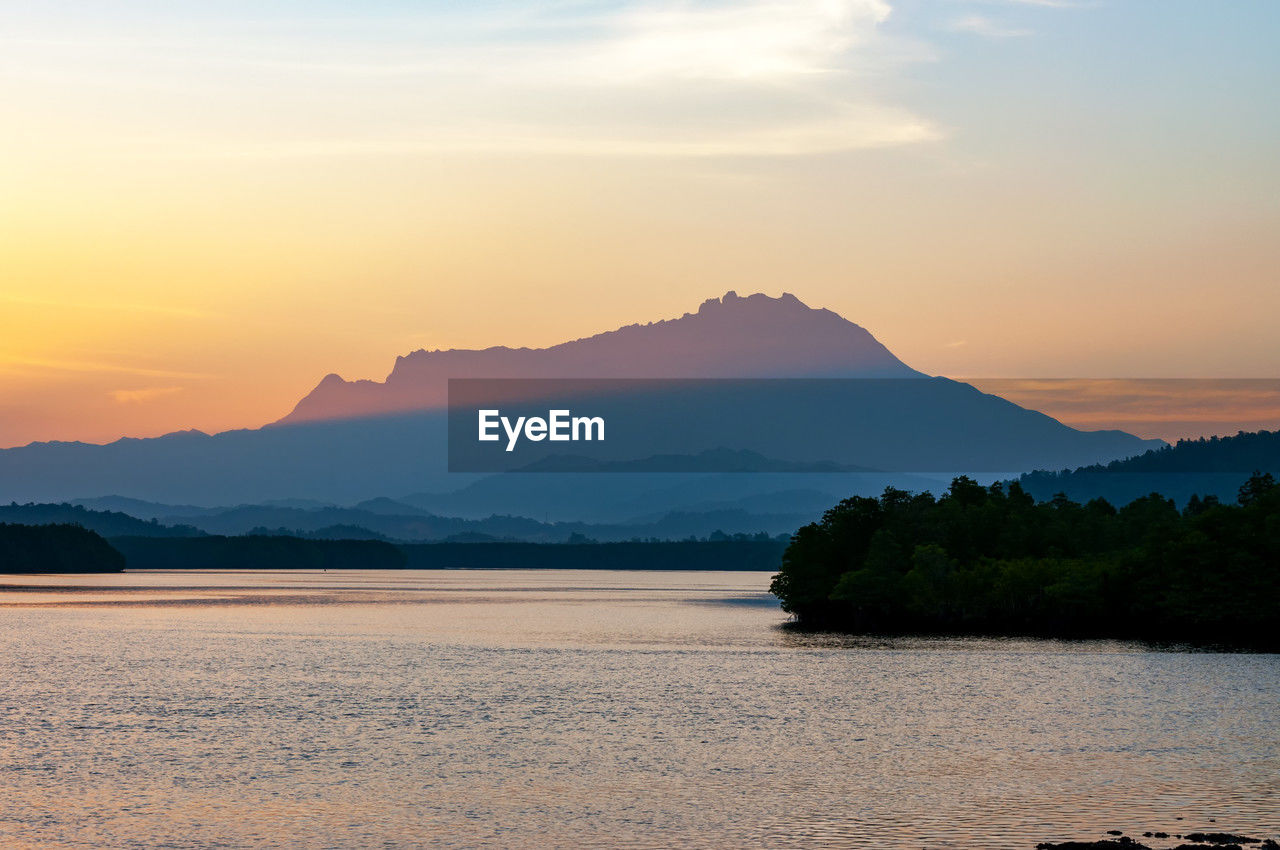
[
  {"x": 994, "y": 560},
  {"x": 1204, "y": 466},
  {"x": 59, "y": 548}
]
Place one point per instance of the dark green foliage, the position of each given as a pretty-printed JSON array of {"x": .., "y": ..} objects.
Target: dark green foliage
[
  {"x": 1208, "y": 465},
  {"x": 55, "y": 549},
  {"x": 284, "y": 552},
  {"x": 635, "y": 555},
  {"x": 258, "y": 552},
  {"x": 991, "y": 559}
]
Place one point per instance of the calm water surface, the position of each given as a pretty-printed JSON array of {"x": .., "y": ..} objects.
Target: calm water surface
[{"x": 589, "y": 709}]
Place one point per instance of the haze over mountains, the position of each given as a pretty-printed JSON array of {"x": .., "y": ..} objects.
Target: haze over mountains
[{"x": 349, "y": 441}]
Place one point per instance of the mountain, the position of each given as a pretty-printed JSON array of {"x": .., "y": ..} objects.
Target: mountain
[
  {"x": 139, "y": 507},
  {"x": 1212, "y": 466},
  {"x": 411, "y": 524},
  {"x": 340, "y": 461},
  {"x": 708, "y": 460},
  {"x": 414, "y": 525},
  {"x": 916, "y": 425},
  {"x": 626, "y": 498},
  {"x": 730, "y": 337},
  {"x": 352, "y": 441}
]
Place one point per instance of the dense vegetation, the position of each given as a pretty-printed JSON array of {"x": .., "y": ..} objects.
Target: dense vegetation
[
  {"x": 55, "y": 549},
  {"x": 993, "y": 560},
  {"x": 257, "y": 552},
  {"x": 280, "y": 552},
  {"x": 658, "y": 555},
  {"x": 1204, "y": 466}
]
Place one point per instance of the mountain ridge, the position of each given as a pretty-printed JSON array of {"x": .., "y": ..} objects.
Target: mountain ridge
[
  {"x": 366, "y": 450},
  {"x": 727, "y": 337},
  {"x": 1208, "y": 466}
]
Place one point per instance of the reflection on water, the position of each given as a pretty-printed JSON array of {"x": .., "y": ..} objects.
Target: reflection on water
[{"x": 597, "y": 709}]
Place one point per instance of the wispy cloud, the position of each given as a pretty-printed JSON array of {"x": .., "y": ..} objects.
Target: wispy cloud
[
  {"x": 673, "y": 79},
  {"x": 846, "y": 128},
  {"x": 14, "y": 363},
  {"x": 1145, "y": 404},
  {"x": 766, "y": 40}
]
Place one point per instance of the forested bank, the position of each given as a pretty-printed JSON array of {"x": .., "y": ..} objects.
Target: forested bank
[
  {"x": 60, "y": 548},
  {"x": 279, "y": 552},
  {"x": 761, "y": 555},
  {"x": 257, "y": 552},
  {"x": 994, "y": 560}
]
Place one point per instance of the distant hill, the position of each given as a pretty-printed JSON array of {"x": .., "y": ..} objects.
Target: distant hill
[
  {"x": 59, "y": 548},
  {"x": 106, "y": 523},
  {"x": 139, "y": 507},
  {"x": 1206, "y": 466},
  {"x": 414, "y": 525},
  {"x": 411, "y": 525},
  {"x": 404, "y": 523}
]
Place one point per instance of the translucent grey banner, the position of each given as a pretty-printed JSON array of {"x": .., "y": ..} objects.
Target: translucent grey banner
[{"x": 819, "y": 425}]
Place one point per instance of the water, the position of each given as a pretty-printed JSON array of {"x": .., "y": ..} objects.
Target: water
[{"x": 589, "y": 709}]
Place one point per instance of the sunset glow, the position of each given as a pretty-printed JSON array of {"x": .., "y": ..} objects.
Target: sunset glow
[{"x": 204, "y": 210}]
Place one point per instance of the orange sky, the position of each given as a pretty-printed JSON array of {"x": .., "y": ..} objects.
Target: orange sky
[{"x": 201, "y": 218}]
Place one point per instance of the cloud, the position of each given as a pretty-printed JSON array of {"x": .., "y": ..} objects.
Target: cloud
[
  {"x": 1099, "y": 401},
  {"x": 642, "y": 43},
  {"x": 768, "y": 41},
  {"x": 142, "y": 395},
  {"x": 650, "y": 79},
  {"x": 845, "y": 128},
  {"x": 13, "y": 363}
]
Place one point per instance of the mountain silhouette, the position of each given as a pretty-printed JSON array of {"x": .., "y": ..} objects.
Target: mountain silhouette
[
  {"x": 731, "y": 337},
  {"x": 352, "y": 441}
]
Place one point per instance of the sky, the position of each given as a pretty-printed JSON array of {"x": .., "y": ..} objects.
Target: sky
[{"x": 205, "y": 208}]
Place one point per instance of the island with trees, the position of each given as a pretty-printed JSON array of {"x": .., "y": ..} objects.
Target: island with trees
[{"x": 993, "y": 560}]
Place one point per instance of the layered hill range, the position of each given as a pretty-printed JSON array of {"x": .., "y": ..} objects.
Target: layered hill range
[
  {"x": 730, "y": 337},
  {"x": 349, "y": 441}
]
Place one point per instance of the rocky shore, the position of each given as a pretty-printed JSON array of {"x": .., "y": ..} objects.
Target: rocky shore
[{"x": 1188, "y": 841}]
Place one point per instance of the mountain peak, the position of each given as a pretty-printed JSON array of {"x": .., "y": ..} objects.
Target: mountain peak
[
  {"x": 731, "y": 300},
  {"x": 733, "y": 336}
]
